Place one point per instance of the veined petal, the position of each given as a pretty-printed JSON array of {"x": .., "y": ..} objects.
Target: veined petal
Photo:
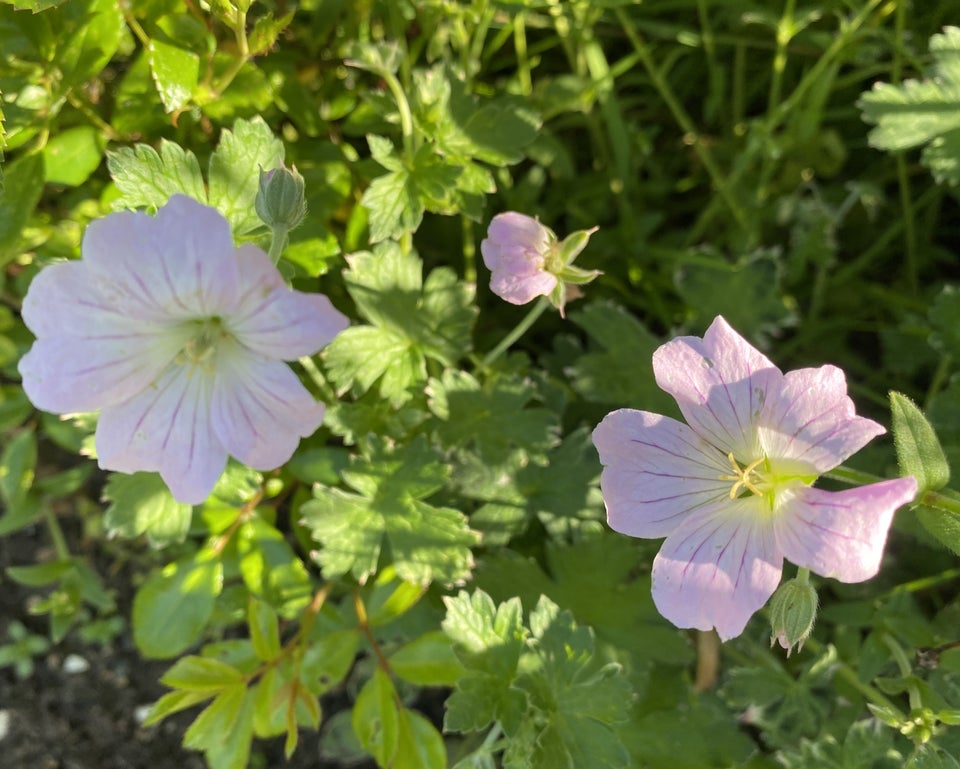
[
  {"x": 260, "y": 410},
  {"x": 657, "y": 471},
  {"x": 718, "y": 568},
  {"x": 274, "y": 320},
  {"x": 64, "y": 374},
  {"x": 813, "y": 420},
  {"x": 721, "y": 384},
  {"x": 841, "y": 534},
  {"x": 166, "y": 428},
  {"x": 65, "y": 299},
  {"x": 512, "y": 228},
  {"x": 179, "y": 263}
]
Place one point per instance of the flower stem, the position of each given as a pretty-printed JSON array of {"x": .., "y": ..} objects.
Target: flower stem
[
  {"x": 519, "y": 330},
  {"x": 56, "y": 534},
  {"x": 278, "y": 241}
]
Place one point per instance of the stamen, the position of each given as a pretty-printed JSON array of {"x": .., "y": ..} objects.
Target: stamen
[{"x": 741, "y": 477}]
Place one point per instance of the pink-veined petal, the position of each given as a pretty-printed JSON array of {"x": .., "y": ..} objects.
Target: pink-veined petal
[
  {"x": 66, "y": 375},
  {"x": 65, "y": 299},
  {"x": 656, "y": 472},
  {"x": 813, "y": 420},
  {"x": 179, "y": 263},
  {"x": 260, "y": 410},
  {"x": 274, "y": 320},
  {"x": 721, "y": 384},
  {"x": 718, "y": 568},
  {"x": 166, "y": 428},
  {"x": 841, "y": 534}
]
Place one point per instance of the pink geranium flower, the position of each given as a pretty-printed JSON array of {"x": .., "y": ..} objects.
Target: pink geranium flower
[
  {"x": 732, "y": 491},
  {"x": 515, "y": 251},
  {"x": 178, "y": 338},
  {"x": 526, "y": 260}
]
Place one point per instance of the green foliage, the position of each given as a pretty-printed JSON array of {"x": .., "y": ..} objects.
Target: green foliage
[
  {"x": 142, "y": 504},
  {"x": 426, "y": 542},
  {"x": 540, "y": 683},
  {"x": 923, "y": 112}
]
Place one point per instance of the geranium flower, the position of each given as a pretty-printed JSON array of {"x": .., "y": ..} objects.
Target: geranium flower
[
  {"x": 731, "y": 490},
  {"x": 178, "y": 338},
  {"x": 526, "y": 260}
]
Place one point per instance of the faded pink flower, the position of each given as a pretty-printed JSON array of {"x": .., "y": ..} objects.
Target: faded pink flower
[
  {"x": 178, "y": 338},
  {"x": 732, "y": 491},
  {"x": 515, "y": 251},
  {"x": 526, "y": 260}
]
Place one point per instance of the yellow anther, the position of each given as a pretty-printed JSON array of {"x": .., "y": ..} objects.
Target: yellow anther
[{"x": 741, "y": 477}]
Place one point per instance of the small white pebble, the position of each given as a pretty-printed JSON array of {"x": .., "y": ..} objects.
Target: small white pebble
[
  {"x": 4, "y": 723},
  {"x": 74, "y": 663}
]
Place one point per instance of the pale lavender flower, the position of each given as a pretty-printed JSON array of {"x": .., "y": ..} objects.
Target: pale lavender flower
[
  {"x": 732, "y": 491},
  {"x": 178, "y": 339},
  {"x": 526, "y": 260},
  {"x": 515, "y": 251}
]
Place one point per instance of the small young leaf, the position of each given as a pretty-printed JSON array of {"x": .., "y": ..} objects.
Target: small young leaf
[
  {"x": 264, "y": 629},
  {"x": 918, "y": 448},
  {"x": 201, "y": 674},
  {"x": 427, "y": 661},
  {"x": 176, "y": 72},
  {"x": 72, "y": 155},
  {"x": 17, "y": 464},
  {"x": 419, "y": 744}
]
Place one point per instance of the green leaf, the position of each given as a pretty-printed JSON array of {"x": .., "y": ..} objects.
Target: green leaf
[
  {"x": 494, "y": 419},
  {"x": 34, "y": 5},
  {"x": 201, "y": 674},
  {"x": 147, "y": 179},
  {"x": 413, "y": 321},
  {"x": 419, "y": 744},
  {"x": 270, "y": 569},
  {"x": 918, "y": 449},
  {"x": 376, "y": 720},
  {"x": 427, "y": 543},
  {"x": 17, "y": 464},
  {"x": 618, "y": 343},
  {"x": 40, "y": 574},
  {"x": 174, "y": 702},
  {"x": 224, "y": 730},
  {"x": 23, "y": 184},
  {"x": 88, "y": 36},
  {"x": 922, "y": 112},
  {"x": 175, "y": 70},
  {"x": 427, "y": 661},
  {"x": 264, "y": 628},
  {"x": 141, "y": 503},
  {"x": 72, "y": 155},
  {"x": 490, "y": 637},
  {"x": 172, "y": 608},
  {"x": 944, "y": 316},
  {"x": 235, "y": 171},
  {"x": 942, "y": 524},
  {"x": 397, "y": 200}
]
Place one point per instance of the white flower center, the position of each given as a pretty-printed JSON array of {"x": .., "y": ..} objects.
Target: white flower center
[{"x": 204, "y": 336}]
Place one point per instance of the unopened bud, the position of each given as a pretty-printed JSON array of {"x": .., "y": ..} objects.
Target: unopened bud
[
  {"x": 281, "y": 199},
  {"x": 793, "y": 610}
]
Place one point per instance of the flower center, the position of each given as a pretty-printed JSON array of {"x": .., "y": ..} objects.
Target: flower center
[
  {"x": 749, "y": 477},
  {"x": 205, "y": 335}
]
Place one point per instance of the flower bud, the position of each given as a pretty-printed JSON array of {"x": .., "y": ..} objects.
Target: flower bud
[
  {"x": 281, "y": 201},
  {"x": 793, "y": 610}
]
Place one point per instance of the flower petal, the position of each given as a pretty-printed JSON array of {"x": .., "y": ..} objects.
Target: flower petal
[
  {"x": 720, "y": 383},
  {"x": 66, "y": 375},
  {"x": 274, "y": 320},
  {"x": 813, "y": 420},
  {"x": 65, "y": 299},
  {"x": 656, "y": 472},
  {"x": 513, "y": 229},
  {"x": 718, "y": 568},
  {"x": 260, "y": 410},
  {"x": 841, "y": 534},
  {"x": 179, "y": 263},
  {"x": 520, "y": 289},
  {"x": 166, "y": 428}
]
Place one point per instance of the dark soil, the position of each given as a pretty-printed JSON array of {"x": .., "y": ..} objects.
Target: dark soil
[{"x": 55, "y": 719}]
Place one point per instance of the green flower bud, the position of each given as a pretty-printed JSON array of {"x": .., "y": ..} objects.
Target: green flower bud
[
  {"x": 281, "y": 202},
  {"x": 792, "y": 610}
]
